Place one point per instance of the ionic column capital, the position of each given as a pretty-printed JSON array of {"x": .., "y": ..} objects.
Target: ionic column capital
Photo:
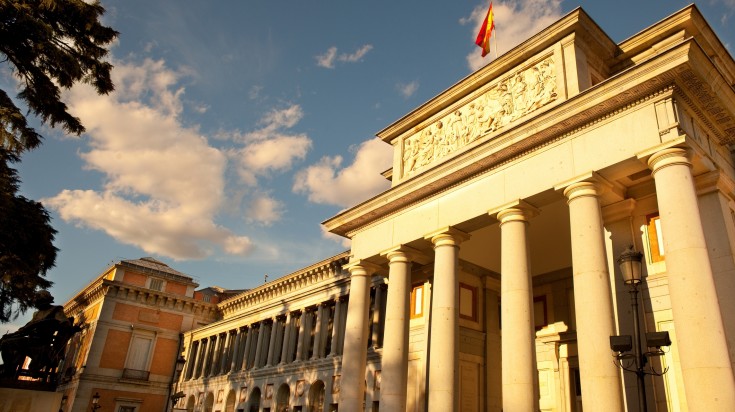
[
  {"x": 447, "y": 236},
  {"x": 669, "y": 157}
]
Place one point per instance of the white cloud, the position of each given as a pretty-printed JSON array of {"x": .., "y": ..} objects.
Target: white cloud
[
  {"x": 408, "y": 89},
  {"x": 515, "y": 21},
  {"x": 269, "y": 148},
  {"x": 264, "y": 209},
  {"x": 327, "y": 59},
  {"x": 357, "y": 55},
  {"x": 164, "y": 183},
  {"x": 326, "y": 182}
]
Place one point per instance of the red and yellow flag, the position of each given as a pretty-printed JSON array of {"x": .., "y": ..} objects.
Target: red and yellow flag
[{"x": 486, "y": 30}]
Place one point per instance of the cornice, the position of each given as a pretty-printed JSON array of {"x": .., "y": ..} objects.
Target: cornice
[
  {"x": 105, "y": 288},
  {"x": 328, "y": 269},
  {"x": 161, "y": 300}
]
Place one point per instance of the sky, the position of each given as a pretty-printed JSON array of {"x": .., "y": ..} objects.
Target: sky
[{"x": 237, "y": 127}]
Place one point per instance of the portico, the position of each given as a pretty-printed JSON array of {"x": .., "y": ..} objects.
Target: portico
[{"x": 559, "y": 165}]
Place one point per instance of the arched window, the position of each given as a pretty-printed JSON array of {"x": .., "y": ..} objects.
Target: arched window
[
  {"x": 316, "y": 397},
  {"x": 254, "y": 400},
  {"x": 282, "y": 398}
]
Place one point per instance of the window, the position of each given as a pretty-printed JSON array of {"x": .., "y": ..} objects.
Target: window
[
  {"x": 540, "y": 314},
  {"x": 156, "y": 284},
  {"x": 417, "y": 301},
  {"x": 655, "y": 238},
  {"x": 467, "y": 302},
  {"x": 139, "y": 354},
  {"x": 126, "y": 409}
]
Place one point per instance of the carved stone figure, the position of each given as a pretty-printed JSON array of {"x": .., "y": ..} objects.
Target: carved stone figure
[
  {"x": 42, "y": 340},
  {"x": 508, "y": 100}
]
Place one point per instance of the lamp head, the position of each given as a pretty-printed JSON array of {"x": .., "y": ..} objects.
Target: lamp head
[{"x": 630, "y": 266}]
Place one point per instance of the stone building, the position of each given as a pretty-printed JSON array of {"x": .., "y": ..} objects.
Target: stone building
[
  {"x": 485, "y": 278},
  {"x": 132, "y": 315}
]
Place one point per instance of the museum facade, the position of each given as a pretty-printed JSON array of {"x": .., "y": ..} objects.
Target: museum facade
[{"x": 486, "y": 278}]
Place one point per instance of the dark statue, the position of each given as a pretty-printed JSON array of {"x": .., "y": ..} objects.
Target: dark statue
[{"x": 42, "y": 339}]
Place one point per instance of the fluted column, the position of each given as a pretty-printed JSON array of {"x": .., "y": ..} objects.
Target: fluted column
[
  {"x": 352, "y": 386},
  {"x": 202, "y": 355},
  {"x": 317, "y": 350},
  {"x": 272, "y": 342},
  {"x": 336, "y": 328},
  {"x": 191, "y": 359},
  {"x": 301, "y": 343},
  {"x": 593, "y": 300},
  {"x": 444, "y": 348},
  {"x": 395, "y": 341},
  {"x": 235, "y": 350},
  {"x": 520, "y": 392},
  {"x": 259, "y": 345},
  {"x": 246, "y": 351},
  {"x": 700, "y": 337},
  {"x": 286, "y": 338}
]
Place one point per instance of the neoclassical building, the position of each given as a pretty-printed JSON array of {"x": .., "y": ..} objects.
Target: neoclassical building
[
  {"x": 485, "y": 278},
  {"x": 132, "y": 315}
]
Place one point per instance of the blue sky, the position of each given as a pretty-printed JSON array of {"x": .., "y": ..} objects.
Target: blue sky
[{"x": 237, "y": 127}]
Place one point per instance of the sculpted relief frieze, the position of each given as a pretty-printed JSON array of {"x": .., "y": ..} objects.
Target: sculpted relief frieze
[{"x": 509, "y": 99}]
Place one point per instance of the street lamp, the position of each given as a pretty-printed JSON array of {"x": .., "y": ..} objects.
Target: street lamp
[
  {"x": 180, "y": 362},
  {"x": 630, "y": 266},
  {"x": 96, "y": 401}
]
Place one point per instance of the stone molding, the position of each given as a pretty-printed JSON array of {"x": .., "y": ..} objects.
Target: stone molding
[{"x": 319, "y": 272}]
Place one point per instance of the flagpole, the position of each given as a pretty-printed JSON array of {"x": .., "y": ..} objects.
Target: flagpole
[{"x": 495, "y": 34}]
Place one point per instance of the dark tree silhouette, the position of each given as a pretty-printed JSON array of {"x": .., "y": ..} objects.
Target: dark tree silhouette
[{"x": 49, "y": 45}]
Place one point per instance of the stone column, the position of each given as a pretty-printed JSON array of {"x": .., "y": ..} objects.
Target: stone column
[
  {"x": 272, "y": 342},
  {"x": 259, "y": 345},
  {"x": 202, "y": 343},
  {"x": 246, "y": 351},
  {"x": 700, "y": 337},
  {"x": 210, "y": 355},
  {"x": 395, "y": 344},
  {"x": 444, "y": 347},
  {"x": 354, "y": 359},
  {"x": 601, "y": 385},
  {"x": 316, "y": 352},
  {"x": 235, "y": 350},
  {"x": 286, "y": 338},
  {"x": 301, "y": 343},
  {"x": 225, "y": 357},
  {"x": 520, "y": 392},
  {"x": 191, "y": 359},
  {"x": 336, "y": 328}
]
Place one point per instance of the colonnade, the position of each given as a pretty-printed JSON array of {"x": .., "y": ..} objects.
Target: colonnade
[
  {"x": 310, "y": 333},
  {"x": 707, "y": 374}
]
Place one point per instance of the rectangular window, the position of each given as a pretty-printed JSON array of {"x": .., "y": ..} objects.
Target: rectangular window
[
  {"x": 540, "y": 315},
  {"x": 126, "y": 409},
  {"x": 655, "y": 238},
  {"x": 417, "y": 301},
  {"x": 156, "y": 284},
  {"x": 467, "y": 302}
]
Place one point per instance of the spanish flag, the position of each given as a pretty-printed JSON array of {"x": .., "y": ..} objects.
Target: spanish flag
[{"x": 486, "y": 30}]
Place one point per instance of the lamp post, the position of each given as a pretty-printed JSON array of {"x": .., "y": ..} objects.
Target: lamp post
[
  {"x": 180, "y": 362},
  {"x": 630, "y": 267},
  {"x": 96, "y": 401}
]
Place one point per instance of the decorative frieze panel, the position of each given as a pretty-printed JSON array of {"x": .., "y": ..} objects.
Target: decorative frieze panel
[{"x": 509, "y": 99}]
